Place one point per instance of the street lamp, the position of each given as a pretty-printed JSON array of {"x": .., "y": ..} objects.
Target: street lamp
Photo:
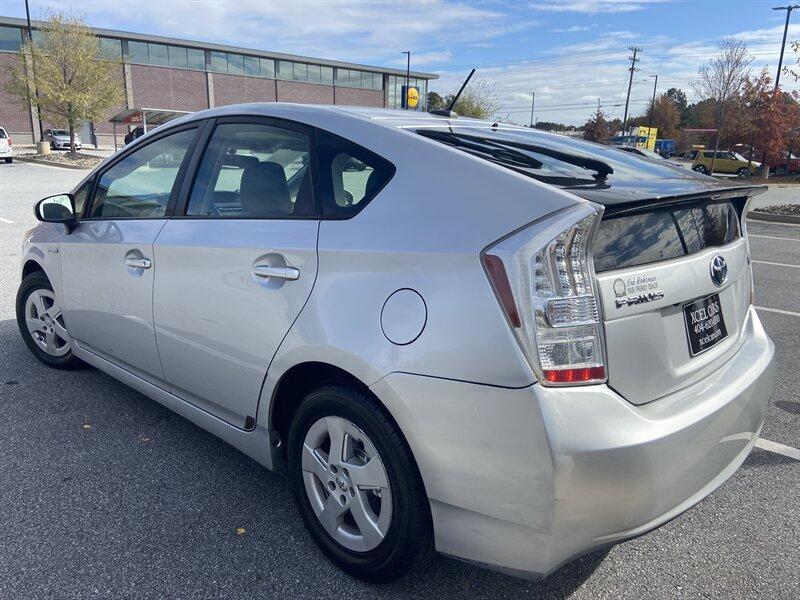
[
  {"x": 533, "y": 101},
  {"x": 408, "y": 73},
  {"x": 788, "y": 10}
]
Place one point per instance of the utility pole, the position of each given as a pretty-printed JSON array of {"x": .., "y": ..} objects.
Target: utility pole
[
  {"x": 408, "y": 73},
  {"x": 632, "y": 68},
  {"x": 653, "y": 103},
  {"x": 533, "y": 101},
  {"x": 788, "y": 10},
  {"x": 33, "y": 70}
]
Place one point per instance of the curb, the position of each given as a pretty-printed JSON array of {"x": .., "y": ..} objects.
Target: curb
[
  {"x": 771, "y": 218},
  {"x": 51, "y": 164}
]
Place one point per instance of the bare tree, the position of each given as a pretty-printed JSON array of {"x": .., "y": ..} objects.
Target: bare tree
[
  {"x": 65, "y": 74},
  {"x": 722, "y": 80}
]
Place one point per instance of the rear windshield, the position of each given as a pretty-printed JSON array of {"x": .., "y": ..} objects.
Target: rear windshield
[
  {"x": 2, "y": 134},
  {"x": 629, "y": 240}
]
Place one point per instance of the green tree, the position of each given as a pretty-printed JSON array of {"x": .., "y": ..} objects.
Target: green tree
[
  {"x": 596, "y": 128},
  {"x": 65, "y": 75},
  {"x": 678, "y": 98},
  {"x": 478, "y": 100},
  {"x": 435, "y": 101}
]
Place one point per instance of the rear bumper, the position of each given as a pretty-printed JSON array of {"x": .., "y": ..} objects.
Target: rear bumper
[
  {"x": 523, "y": 480},
  {"x": 6, "y": 152}
]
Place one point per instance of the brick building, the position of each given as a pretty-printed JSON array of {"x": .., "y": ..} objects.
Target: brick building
[{"x": 167, "y": 73}]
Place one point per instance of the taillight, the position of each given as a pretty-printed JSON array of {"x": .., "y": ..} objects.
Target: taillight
[
  {"x": 10, "y": 142},
  {"x": 552, "y": 293}
]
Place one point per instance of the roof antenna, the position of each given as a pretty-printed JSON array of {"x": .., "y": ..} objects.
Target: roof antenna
[{"x": 448, "y": 112}]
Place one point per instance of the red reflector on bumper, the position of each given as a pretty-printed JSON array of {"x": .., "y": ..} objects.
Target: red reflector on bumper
[{"x": 574, "y": 375}]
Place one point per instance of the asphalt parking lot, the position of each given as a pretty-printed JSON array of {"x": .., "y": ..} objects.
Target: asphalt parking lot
[{"x": 104, "y": 493}]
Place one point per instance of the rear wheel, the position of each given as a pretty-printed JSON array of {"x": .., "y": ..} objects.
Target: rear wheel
[
  {"x": 9, "y": 160},
  {"x": 700, "y": 169},
  {"x": 356, "y": 485},
  {"x": 780, "y": 170},
  {"x": 42, "y": 325}
]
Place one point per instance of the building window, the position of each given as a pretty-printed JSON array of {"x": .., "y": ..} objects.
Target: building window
[
  {"x": 267, "y": 67},
  {"x": 300, "y": 71},
  {"x": 10, "y": 39},
  {"x": 285, "y": 70},
  {"x": 326, "y": 75},
  {"x": 196, "y": 59},
  {"x": 111, "y": 48},
  {"x": 251, "y": 67},
  {"x": 219, "y": 62},
  {"x": 235, "y": 64},
  {"x": 137, "y": 52},
  {"x": 359, "y": 79},
  {"x": 177, "y": 57},
  {"x": 157, "y": 55}
]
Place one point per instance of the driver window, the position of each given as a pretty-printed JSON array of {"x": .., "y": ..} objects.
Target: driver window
[
  {"x": 253, "y": 171},
  {"x": 141, "y": 184}
]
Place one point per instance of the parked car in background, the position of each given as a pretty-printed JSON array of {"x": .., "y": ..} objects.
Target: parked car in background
[
  {"x": 6, "y": 148},
  {"x": 59, "y": 139},
  {"x": 726, "y": 162},
  {"x": 641, "y": 152},
  {"x": 502, "y": 344},
  {"x": 788, "y": 165}
]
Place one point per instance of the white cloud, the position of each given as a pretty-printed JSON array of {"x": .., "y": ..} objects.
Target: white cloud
[
  {"x": 574, "y": 29},
  {"x": 425, "y": 58},
  {"x": 592, "y": 6}
]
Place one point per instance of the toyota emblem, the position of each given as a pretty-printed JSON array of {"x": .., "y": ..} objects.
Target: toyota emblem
[{"x": 719, "y": 270}]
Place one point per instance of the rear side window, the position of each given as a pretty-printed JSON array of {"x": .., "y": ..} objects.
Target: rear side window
[
  {"x": 351, "y": 176},
  {"x": 3, "y": 134},
  {"x": 661, "y": 234}
]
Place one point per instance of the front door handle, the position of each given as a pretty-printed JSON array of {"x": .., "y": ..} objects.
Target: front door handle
[
  {"x": 138, "y": 263},
  {"x": 288, "y": 273}
]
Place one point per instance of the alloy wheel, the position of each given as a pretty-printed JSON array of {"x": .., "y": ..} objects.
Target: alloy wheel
[
  {"x": 46, "y": 323},
  {"x": 346, "y": 484}
]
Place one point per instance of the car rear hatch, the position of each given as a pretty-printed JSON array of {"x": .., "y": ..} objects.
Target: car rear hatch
[{"x": 675, "y": 286}]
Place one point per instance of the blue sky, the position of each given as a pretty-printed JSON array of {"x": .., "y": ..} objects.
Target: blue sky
[{"x": 571, "y": 52}]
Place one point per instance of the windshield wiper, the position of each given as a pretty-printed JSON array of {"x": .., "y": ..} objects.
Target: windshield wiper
[
  {"x": 601, "y": 168},
  {"x": 484, "y": 148}
]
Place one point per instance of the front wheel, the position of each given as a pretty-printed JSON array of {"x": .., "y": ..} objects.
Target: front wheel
[
  {"x": 357, "y": 486},
  {"x": 743, "y": 172},
  {"x": 780, "y": 170},
  {"x": 42, "y": 325}
]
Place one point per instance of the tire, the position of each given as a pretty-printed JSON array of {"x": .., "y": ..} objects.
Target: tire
[
  {"x": 60, "y": 357},
  {"x": 743, "y": 172},
  {"x": 407, "y": 538},
  {"x": 700, "y": 169},
  {"x": 780, "y": 170},
  {"x": 9, "y": 160}
]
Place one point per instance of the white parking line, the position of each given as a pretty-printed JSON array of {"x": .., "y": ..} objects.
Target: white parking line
[
  {"x": 773, "y": 223},
  {"x": 779, "y": 311},
  {"x": 774, "y": 237},
  {"x": 764, "y": 262},
  {"x": 6, "y": 221},
  {"x": 778, "y": 448}
]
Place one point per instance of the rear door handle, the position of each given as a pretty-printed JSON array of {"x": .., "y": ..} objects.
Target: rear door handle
[
  {"x": 288, "y": 273},
  {"x": 138, "y": 263}
]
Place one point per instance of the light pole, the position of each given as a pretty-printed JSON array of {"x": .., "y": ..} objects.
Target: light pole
[
  {"x": 788, "y": 10},
  {"x": 533, "y": 101},
  {"x": 653, "y": 103},
  {"x": 408, "y": 73},
  {"x": 33, "y": 70},
  {"x": 634, "y": 60}
]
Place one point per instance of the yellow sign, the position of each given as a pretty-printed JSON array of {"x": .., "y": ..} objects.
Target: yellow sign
[
  {"x": 412, "y": 97},
  {"x": 650, "y": 133}
]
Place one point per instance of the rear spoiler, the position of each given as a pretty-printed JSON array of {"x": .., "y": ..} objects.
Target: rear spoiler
[{"x": 719, "y": 195}]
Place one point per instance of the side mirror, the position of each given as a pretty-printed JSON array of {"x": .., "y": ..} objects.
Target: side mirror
[{"x": 57, "y": 209}]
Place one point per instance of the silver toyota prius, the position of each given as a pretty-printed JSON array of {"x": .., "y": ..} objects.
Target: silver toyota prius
[{"x": 457, "y": 336}]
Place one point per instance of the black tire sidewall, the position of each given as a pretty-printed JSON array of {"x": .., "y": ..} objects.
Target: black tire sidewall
[
  {"x": 31, "y": 283},
  {"x": 389, "y": 560}
]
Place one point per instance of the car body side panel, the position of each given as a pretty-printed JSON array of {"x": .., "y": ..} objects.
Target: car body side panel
[{"x": 217, "y": 324}]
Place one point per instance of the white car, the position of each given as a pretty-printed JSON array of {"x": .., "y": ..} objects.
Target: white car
[
  {"x": 59, "y": 139},
  {"x": 504, "y": 345},
  {"x": 6, "y": 149}
]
